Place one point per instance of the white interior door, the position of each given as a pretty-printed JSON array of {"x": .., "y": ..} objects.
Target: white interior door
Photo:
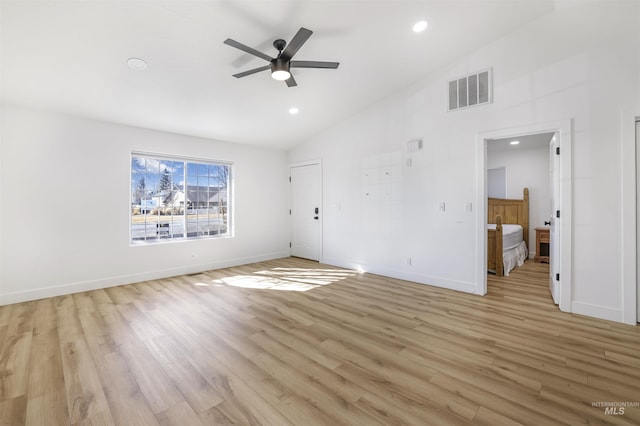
[
  {"x": 554, "y": 222},
  {"x": 638, "y": 221},
  {"x": 306, "y": 211}
]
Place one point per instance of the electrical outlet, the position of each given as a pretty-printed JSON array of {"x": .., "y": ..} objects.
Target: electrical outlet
[{"x": 442, "y": 206}]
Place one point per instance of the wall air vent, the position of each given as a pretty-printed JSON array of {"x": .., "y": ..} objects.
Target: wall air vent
[{"x": 471, "y": 90}]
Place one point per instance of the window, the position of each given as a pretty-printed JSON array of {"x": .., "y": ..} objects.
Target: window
[
  {"x": 173, "y": 198},
  {"x": 497, "y": 182}
]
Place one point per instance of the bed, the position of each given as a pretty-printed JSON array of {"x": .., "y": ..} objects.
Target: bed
[{"x": 507, "y": 233}]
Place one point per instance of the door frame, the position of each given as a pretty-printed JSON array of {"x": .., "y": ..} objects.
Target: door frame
[
  {"x": 563, "y": 129},
  {"x": 630, "y": 172},
  {"x": 317, "y": 162}
]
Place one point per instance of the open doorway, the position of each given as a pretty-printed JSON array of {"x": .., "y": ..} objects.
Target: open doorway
[
  {"x": 561, "y": 221},
  {"x": 515, "y": 163}
]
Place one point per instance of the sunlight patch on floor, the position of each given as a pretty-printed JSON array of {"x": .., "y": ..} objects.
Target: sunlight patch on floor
[{"x": 287, "y": 279}]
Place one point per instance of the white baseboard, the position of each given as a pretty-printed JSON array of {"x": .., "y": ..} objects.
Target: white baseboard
[
  {"x": 597, "y": 311},
  {"x": 77, "y": 287},
  {"x": 467, "y": 287}
]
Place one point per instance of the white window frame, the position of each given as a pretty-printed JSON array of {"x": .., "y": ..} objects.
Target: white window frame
[{"x": 160, "y": 238}]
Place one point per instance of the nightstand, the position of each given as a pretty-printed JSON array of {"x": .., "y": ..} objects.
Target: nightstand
[{"x": 542, "y": 245}]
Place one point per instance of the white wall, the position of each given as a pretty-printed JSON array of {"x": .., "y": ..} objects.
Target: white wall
[
  {"x": 527, "y": 168},
  {"x": 64, "y": 186},
  {"x": 579, "y": 63}
]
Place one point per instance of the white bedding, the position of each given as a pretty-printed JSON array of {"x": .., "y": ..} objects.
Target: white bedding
[
  {"x": 514, "y": 257},
  {"x": 511, "y": 235},
  {"x": 514, "y": 248}
]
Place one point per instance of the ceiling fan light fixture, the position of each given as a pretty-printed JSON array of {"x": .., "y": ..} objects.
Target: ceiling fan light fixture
[
  {"x": 280, "y": 75},
  {"x": 280, "y": 70}
]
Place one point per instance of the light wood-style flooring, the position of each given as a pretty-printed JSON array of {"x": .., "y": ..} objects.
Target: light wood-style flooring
[{"x": 296, "y": 342}]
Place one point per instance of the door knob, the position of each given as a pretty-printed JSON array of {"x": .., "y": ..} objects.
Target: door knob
[{"x": 547, "y": 223}]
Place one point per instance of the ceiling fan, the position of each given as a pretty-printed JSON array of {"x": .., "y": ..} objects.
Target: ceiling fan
[{"x": 281, "y": 65}]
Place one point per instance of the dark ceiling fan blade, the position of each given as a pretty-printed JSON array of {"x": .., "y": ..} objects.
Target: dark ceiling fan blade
[
  {"x": 253, "y": 71},
  {"x": 291, "y": 81},
  {"x": 296, "y": 43},
  {"x": 247, "y": 49},
  {"x": 314, "y": 64}
]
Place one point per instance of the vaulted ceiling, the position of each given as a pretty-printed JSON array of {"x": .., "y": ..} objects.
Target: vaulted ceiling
[{"x": 71, "y": 56}]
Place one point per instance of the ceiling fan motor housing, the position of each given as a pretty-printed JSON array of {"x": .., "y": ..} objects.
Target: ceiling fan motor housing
[{"x": 279, "y": 64}]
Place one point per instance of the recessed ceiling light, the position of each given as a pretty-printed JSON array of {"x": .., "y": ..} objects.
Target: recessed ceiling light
[
  {"x": 293, "y": 110},
  {"x": 420, "y": 26},
  {"x": 136, "y": 64},
  {"x": 514, "y": 142}
]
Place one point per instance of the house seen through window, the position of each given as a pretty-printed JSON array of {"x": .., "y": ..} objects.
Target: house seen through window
[{"x": 175, "y": 198}]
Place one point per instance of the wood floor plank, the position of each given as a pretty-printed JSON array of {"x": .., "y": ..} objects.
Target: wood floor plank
[
  {"x": 295, "y": 342},
  {"x": 14, "y": 366},
  {"x": 5, "y": 314},
  {"x": 158, "y": 390},
  {"x": 46, "y": 392},
  {"x": 395, "y": 404},
  {"x": 96, "y": 332},
  {"x": 124, "y": 396},
  {"x": 310, "y": 350},
  {"x": 414, "y": 384},
  {"x": 13, "y": 411},
  {"x": 481, "y": 393},
  {"x": 3, "y": 333},
  {"x": 127, "y": 403},
  {"x": 485, "y": 416},
  {"x": 85, "y": 396},
  {"x": 195, "y": 389},
  {"x": 47, "y": 409},
  {"x": 337, "y": 389},
  {"x": 183, "y": 414},
  {"x": 15, "y": 351},
  {"x": 249, "y": 394}
]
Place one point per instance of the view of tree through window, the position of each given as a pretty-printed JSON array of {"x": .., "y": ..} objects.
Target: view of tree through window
[{"x": 173, "y": 198}]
